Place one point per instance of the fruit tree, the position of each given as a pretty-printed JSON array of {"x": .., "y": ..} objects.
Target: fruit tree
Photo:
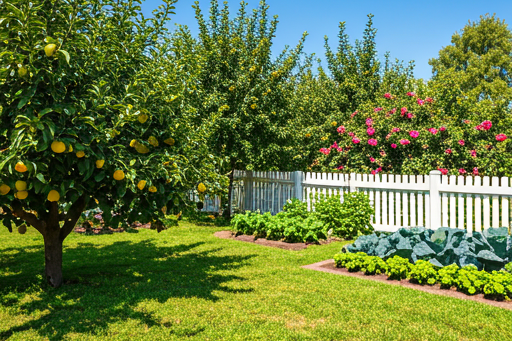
[{"x": 88, "y": 119}]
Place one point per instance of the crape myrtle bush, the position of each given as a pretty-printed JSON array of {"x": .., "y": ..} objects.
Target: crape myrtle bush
[
  {"x": 296, "y": 224},
  {"x": 468, "y": 279},
  {"x": 412, "y": 134}
]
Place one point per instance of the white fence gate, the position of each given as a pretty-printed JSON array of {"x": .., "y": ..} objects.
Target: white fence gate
[{"x": 433, "y": 200}]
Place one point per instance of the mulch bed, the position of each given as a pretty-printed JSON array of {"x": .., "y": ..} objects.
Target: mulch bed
[
  {"x": 271, "y": 243},
  {"x": 330, "y": 267}
]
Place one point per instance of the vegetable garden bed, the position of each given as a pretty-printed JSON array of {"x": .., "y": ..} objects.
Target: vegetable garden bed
[{"x": 330, "y": 267}]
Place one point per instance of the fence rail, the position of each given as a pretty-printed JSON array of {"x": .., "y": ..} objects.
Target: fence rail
[{"x": 433, "y": 200}]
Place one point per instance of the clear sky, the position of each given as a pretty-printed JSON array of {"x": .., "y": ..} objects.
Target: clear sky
[{"x": 409, "y": 30}]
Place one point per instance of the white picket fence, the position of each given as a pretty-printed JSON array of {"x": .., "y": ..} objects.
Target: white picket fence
[{"x": 434, "y": 200}]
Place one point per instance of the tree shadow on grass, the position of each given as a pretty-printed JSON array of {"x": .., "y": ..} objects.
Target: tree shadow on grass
[{"x": 104, "y": 285}]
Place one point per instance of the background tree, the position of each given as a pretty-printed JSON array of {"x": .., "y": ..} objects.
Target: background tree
[
  {"x": 88, "y": 120},
  {"x": 248, "y": 90}
]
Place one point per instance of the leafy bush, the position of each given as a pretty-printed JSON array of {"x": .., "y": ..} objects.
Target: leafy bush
[
  {"x": 398, "y": 268},
  {"x": 348, "y": 219},
  {"x": 470, "y": 280},
  {"x": 374, "y": 265},
  {"x": 296, "y": 208},
  {"x": 447, "y": 276},
  {"x": 423, "y": 272}
]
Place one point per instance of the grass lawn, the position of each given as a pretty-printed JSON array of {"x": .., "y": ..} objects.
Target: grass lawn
[{"x": 184, "y": 283}]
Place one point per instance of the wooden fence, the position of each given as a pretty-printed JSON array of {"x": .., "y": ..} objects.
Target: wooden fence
[{"x": 433, "y": 200}]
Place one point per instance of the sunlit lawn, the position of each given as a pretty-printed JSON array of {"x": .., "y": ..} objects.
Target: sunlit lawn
[{"x": 184, "y": 283}]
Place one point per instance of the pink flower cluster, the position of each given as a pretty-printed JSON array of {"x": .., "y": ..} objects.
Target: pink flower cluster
[
  {"x": 370, "y": 131},
  {"x": 341, "y": 129},
  {"x": 325, "y": 151},
  {"x": 372, "y": 142},
  {"x": 420, "y": 101},
  {"x": 414, "y": 134},
  {"x": 356, "y": 140},
  {"x": 387, "y": 95},
  {"x": 403, "y": 142},
  {"x": 395, "y": 130},
  {"x": 461, "y": 142},
  {"x": 473, "y": 152},
  {"x": 376, "y": 170},
  {"x": 369, "y": 121},
  {"x": 353, "y": 114},
  {"x": 411, "y": 94},
  {"x": 432, "y": 130},
  {"x": 501, "y": 137},
  {"x": 444, "y": 171},
  {"x": 403, "y": 111},
  {"x": 393, "y": 145},
  {"x": 377, "y": 109}
]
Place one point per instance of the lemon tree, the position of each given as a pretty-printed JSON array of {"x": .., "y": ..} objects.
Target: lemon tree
[
  {"x": 88, "y": 119},
  {"x": 242, "y": 89}
]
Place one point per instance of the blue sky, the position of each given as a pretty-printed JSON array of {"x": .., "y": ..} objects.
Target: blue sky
[{"x": 409, "y": 30}]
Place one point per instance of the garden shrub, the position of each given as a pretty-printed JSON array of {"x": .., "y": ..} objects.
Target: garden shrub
[
  {"x": 423, "y": 272},
  {"x": 469, "y": 280},
  {"x": 296, "y": 208},
  {"x": 348, "y": 219},
  {"x": 398, "y": 268},
  {"x": 447, "y": 276}
]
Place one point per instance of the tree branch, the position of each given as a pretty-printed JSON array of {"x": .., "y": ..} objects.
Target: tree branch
[
  {"x": 30, "y": 218},
  {"x": 72, "y": 216}
]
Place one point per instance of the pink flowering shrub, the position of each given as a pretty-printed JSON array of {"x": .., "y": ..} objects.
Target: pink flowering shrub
[{"x": 469, "y": 143}]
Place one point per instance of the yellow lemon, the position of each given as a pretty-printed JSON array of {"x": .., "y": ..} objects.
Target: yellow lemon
[
  {"x": 133, "y": 143},
  {"x": 53, "y": 196},
  {"x": 201, "y": 187},
  {"x": 4, "y": 189},
  {"x": 50, "y": 49},
  {"x": 253, "y": 106},
  {"x": 153, "y": 141},
  {"x": 141, "y": 148},
  {"x": 170, "y": 141},
  {"x": 119, "y": 175},
  {"x": 21, "y": 185},
  {"x": 58, "y": 147},
  {"x": 21, "y": 195},
  {"x": 141, "y": 184},
  {"x": 80, "y": 154},
  {"x": 22, "y": 71},
  {"x": 152, "y": 189},
  {"x": 143, "y": 118},
  {"x": 70, "y": 149},
  {"x": 96, "y": 201},
  {"x": 100, "y": 163},
  {"x": 20, "y": 167}
]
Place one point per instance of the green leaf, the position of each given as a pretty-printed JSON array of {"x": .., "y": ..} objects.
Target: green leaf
[
  {"x": 41, "y": 178},
  {"x": 66, "y": 54},
  {"x": 100, "y": 176}
]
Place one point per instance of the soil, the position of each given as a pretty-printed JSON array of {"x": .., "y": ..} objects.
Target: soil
[
  {"x": 271, "y": 243},
  {"x": 329, "y": 266}
]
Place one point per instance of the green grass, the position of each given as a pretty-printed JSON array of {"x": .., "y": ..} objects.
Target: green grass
[{"x": 184, "y": 283}]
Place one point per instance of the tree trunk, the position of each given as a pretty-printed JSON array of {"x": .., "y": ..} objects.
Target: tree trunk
[
  {"x": 53, "y": 259},
  {"x": 230, "y": 191}
]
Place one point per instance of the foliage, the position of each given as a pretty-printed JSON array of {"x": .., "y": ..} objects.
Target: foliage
[
  {"x": 423, "y": 272},
  {"x": 348, "y": 219},
  {"x": 370, "y": 265},
  {"x": 296, "y": 208},
  {"x": 448, "y": 275},
  {"x": 496, "y": 285},
  {"x": 398, "y": 268}
]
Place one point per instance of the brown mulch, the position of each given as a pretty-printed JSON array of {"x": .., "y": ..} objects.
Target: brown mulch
[
  {"x": 109, "y": 230},
  {"x": 329, "y": 266},
  {"x": 272, "y": 243}
]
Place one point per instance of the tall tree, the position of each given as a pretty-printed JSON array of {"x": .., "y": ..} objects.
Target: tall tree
[
  {"x": 88, "y": 119},
  {"x": 240, "y": 81}
]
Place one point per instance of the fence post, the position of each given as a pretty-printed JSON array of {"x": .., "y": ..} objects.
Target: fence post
[
  {"x": 298, "y": 179},
  {"x": 435, "y": 200},
  {"x": 248, "y": 191}
]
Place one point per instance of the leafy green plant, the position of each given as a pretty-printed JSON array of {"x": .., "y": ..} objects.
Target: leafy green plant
[
  {"x": 508, "y": 267},
  {"x": 499, "y": 286},
  {"x": 470, "y": 280},
  {"x": 423, "y": 272},
  {"x": 348, "y": 219},
  {"x": 447, "y": 276},
  {"x": 296, "y": 208},
  {"x": 398, "y": 268},
  {"x": 374, "y": 265}
]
